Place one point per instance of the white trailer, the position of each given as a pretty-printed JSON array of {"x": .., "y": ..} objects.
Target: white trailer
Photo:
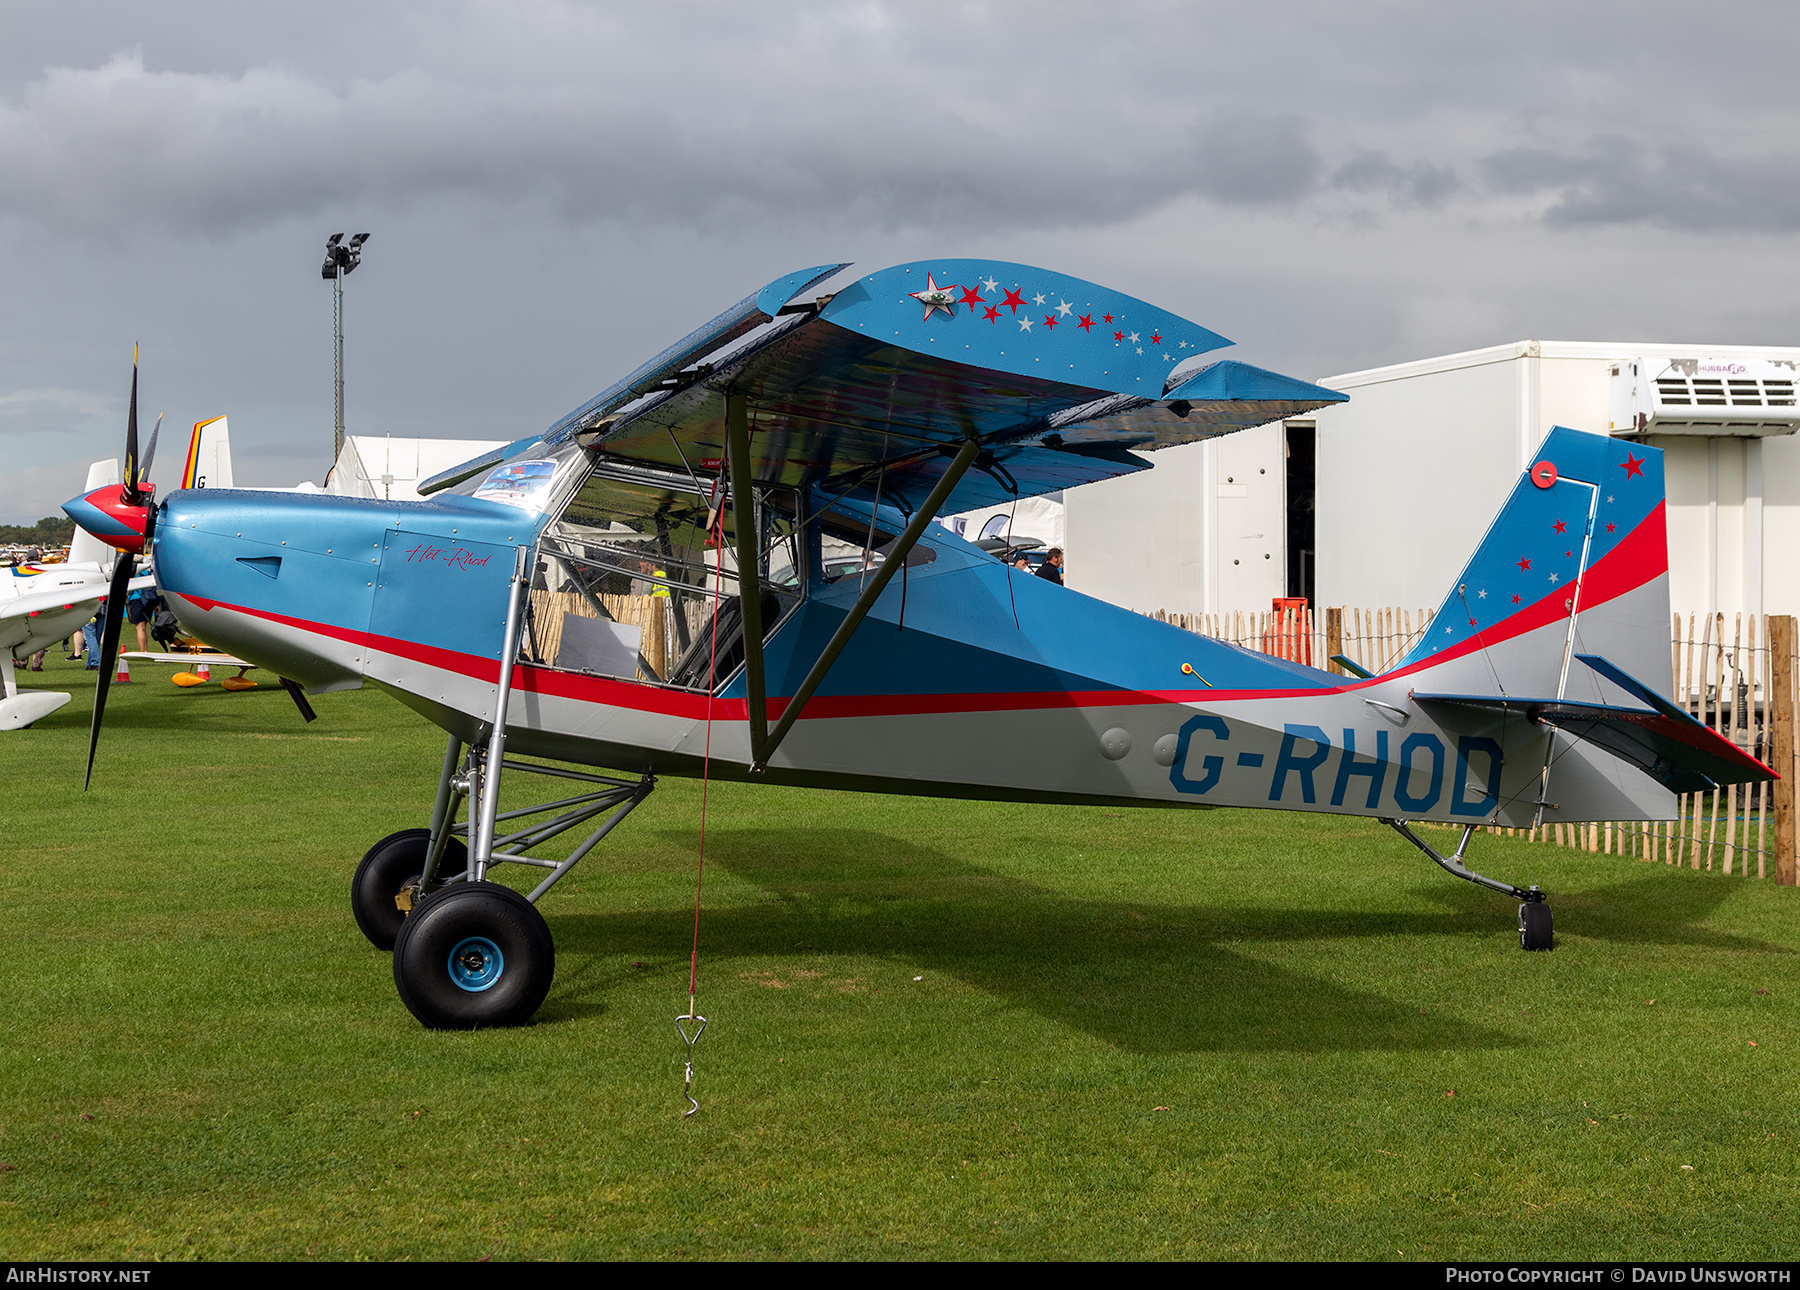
[
  {"x": 1415, "y": 462},
  {"x": 1378, "y": 501}
]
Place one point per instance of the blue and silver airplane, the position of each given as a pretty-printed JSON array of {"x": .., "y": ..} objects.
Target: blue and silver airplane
[{"x": 725, "y": 563}]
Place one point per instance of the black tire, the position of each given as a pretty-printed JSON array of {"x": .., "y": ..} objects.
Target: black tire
[
  {"x": 388, "y": 866},
  {"x": 1534, "y": 926},
  {"x": 487, "y": 935}
]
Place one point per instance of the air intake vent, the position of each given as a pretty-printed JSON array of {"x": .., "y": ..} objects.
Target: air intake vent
[
  {"x": 1710, "y": 396},
  {"x": 1681, "y": 392}
]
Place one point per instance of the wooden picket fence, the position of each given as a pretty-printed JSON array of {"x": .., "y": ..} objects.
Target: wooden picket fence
[
  {"x": 1375, "y": 639},
  {"x": 1739, "y": 676}
]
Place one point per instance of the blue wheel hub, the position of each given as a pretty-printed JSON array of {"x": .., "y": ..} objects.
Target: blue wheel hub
[{"x": 476, "y": 964}]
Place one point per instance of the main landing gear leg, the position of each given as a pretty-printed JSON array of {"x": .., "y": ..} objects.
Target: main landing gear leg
[
  {"x": 472, "y": 952},
  {"x": 1534, "y": 909}
]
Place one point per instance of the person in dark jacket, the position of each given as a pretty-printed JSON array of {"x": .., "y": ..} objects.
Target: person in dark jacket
[{"x": 1051, "y": 568}]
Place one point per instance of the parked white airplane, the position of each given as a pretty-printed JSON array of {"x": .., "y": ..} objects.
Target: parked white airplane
[{"x": 41, "y": 604}]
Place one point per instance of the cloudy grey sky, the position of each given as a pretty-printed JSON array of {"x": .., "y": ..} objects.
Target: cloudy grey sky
[{"x": 556, "y": 190}]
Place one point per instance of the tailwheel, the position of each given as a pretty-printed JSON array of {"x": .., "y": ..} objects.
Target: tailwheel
[
  {"x": 474, "y": 954},
  {"x": 389, "y": 874},
  {"x": 1534, "y": 926}
]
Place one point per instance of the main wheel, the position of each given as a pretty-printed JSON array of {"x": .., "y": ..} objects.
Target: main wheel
[
  {"x": 1534, "y": 926},
  {"x": 476, "y": 954},
  {"x": 393, "y": 863}
]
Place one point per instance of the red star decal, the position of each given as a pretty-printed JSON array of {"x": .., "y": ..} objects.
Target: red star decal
[
  {"x": 1515, "y": 600},
  {"x": 1118, "y": 335},
  {"x": 1013, "y": 301},
  {"x": 1086, "y": 323},
  {"x": 1525, "y": 566},
  {"x": 1155, "y": 338},
  {"x": 1105, "y": 317},
  {"x": 971, "y": 296},
  {"x": 1471, "y": 622},
  {"x": 1560, "y": 526},
  {"x": 1567, "y": 554},
  {"x": 1611, "y": 527},
  {"x": 1049, "y": 320},
  {"x": 991, "y": 313},
  {"x": 1632, "y": 466}
]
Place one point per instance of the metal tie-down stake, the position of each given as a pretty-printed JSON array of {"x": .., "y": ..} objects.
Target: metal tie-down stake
[{"x": 690, "y": 1025}]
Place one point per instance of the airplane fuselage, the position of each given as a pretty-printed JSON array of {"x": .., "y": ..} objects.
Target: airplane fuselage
[{"x": 968, "y": 679}]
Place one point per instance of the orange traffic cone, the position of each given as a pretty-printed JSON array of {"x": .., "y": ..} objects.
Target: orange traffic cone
[
  {"x": 123, "y": 675},
  {"x": 203, "y": 672}
]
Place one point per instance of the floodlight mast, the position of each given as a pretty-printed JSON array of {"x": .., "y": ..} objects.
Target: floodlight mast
[{"x": 341, "y": 259}]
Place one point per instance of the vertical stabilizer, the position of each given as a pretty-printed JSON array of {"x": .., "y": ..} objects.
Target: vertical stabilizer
[
  {"x": 1577, "y": 562},
  {"x": 209, "y": 456}
]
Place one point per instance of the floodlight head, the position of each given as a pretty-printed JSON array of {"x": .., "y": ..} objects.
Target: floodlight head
[
  {"x": 359, "y": 239},
  {"x": 334, "y": 239}
]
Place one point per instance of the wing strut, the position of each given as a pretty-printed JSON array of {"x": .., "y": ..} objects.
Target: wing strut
[
  {"x": 896, "y": 559},
  {"x": 749, "y": 563}
]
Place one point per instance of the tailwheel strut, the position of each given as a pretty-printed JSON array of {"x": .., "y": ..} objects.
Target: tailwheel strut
[{"x": 1535, "y": 932}]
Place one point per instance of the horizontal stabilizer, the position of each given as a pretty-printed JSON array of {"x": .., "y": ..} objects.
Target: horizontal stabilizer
[
  {"x": 1661, "y": 740},
  {"x": 1351, "y": 666}
]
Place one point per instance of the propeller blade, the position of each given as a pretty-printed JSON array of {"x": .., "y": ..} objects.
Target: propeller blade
[
  {"x": 131, "y": 470},
  {"x": 150, "y": 452},
  {"x": 110, "y": 627}
]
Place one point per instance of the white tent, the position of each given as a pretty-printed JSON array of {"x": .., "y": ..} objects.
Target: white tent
[{"x": 392, "y": 469}]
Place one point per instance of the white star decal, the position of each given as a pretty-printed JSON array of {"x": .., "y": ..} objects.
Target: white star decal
[
  {"x": 1553, "y": 577},
  {"x": 990, "y": 284},
  {"x": 1184, "y": 344},
  {"x": 1024, "y": 324},
  {"x": 1038, "y": 298},
  {"x": 1063, "y": 307},
  {"x": 1446, "y": 631},
  {"x": 1481, "y": 595},
  {"x": 935, "y": 297},
  {"x": 1140, "y": 349},
  {"x": 1609, "y": 499},
  {"x": 1134, "y": 337}
]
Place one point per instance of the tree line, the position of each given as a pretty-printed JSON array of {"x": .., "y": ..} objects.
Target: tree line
[{"x": 49, "y": 531}]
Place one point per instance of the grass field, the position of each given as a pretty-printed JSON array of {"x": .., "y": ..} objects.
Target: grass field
[{"x": 939, "y": 1029}]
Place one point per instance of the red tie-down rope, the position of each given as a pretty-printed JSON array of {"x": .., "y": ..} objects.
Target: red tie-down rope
[{"x": 692, "y": 1025}]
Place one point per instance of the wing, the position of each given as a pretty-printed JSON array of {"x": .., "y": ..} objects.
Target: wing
[
  {"x": 875, "y": 387},
  {"x": 65, "y": 597},
  {"x": 153, "y": 656},
  {"x": 40, "y": 602}
]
